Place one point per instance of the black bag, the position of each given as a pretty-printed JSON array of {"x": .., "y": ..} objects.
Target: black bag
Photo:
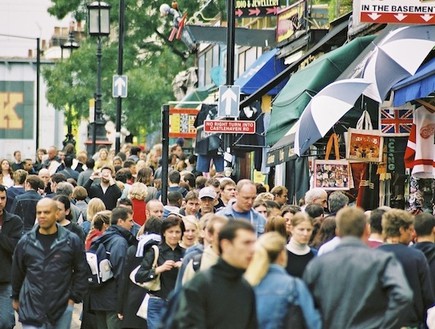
[{"x": 295, "y": 317}]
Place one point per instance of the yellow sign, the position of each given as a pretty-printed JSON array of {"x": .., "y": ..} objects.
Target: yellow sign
[{"x": 8, "y": 117}]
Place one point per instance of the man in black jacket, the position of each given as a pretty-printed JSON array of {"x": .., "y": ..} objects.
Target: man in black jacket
[
  {"x": 219, "y": 297},
  {"x": 106, "y": 190},
  {"x": 11, "y": 228},
  {"x": 24, "y": 204},
  {"x": 106, "y": 300},
  {"x": 49, "y": 272}
]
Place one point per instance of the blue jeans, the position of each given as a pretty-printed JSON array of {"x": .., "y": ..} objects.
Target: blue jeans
[
  {"x": 64, "y": 321},
  {"x": 155, "y": 307},
  {"x": 7, "y": 316}
]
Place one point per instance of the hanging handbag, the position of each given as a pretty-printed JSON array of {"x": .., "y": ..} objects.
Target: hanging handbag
[
  {"x": 365, "y": 143},
  {"x": 332, "y": 174},
  {"x": 154, "y": 284}
]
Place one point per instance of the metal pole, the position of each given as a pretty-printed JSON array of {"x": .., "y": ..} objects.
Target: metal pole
[
  {"x": 97, "y": 114},
  {"x": 120, "y": 70},
  {"x": 38, "y": 87},
  {"x": 230, "y": 61},
  {"x": 165, "y": 152}
]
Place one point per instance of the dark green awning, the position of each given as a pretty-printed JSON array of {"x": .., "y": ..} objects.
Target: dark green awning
[{"x": 307, "y": 82}]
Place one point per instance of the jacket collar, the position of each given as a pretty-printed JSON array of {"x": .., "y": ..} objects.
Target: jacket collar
[{"x": 351, "y": 241}]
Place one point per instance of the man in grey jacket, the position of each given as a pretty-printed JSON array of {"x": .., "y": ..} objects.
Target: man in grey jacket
[{"x": 355, "y": 286}]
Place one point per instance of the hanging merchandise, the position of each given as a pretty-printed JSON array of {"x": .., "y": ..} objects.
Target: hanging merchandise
[
  {"x": 395, "y": 150},
  {"x": 332, "y": 174},
  {"x": 420, "y": 151},
  {"x": 396, "y": 121},
  {"x": 365, "y": 143}
]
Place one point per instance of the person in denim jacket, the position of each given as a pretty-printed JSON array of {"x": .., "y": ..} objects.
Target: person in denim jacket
[
  {"x": 283, "y": 301},
  {"x": 242, "y": 208}
]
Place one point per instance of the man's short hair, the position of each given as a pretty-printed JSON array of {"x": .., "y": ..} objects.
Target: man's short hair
[
  {"x": 65, "y": 188},
  {"x": 189, "y": 178},
  {"x": 20, "y": 176},
  {"x": 242, "y": 183},
  {"x": 351, "y": 221},
  {"x": 191, "y": 195},
  {"x": 424, "y": 224},
  {"x": 124, "y": 202},
  {"x": 174, "y": 177},
  {"x": 3, "y": 188},
  {"x": 225, "y": 182},
  {"x": 313, "y": 194},
  {"x": 175, "y": 197},
  {"x": 200, "y": 182},
  {"x": 119, "y": 213},
  {"x": 337, "y": 200},
  {"x": 128, "y": 163},
  {"x": 35, "y": 182},
  {"x": 314, "y": 210},
  {"x": 90, "y": 163},
  {"x": 58, "y": 177},
  {"x": 123, "y": 175},
  {"x": 229, "y": 230},
  {"x": 375, "y": 220},
  {"x": 279, "y": 190},
  {"x": 393, "y": 220},
  {"x": 213, "y": 182},
  {"x": 68, "y": 161},
  {"x": 80, "y": 193}
]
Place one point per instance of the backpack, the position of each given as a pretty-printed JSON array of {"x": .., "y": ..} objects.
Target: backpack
[{"x": 98, "y": 259}]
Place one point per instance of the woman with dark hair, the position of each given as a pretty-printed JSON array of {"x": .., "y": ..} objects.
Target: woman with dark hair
[
  {"x": 6, "y": 174},
  {"x": 131, "y": 294},
  {"x": 145, "y": 175},
  {"x": 65, "y": 216},
  {"x": 326, "y": 232},
  {"x": 168, "y": 264}
]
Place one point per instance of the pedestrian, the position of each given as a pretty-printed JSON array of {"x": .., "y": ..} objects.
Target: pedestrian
[
  {"x": 168, "y": 263},
  {"x": 100, "y": 223},
  {"x": 280, "y": 195},
  {"x": 106, "y": 189},
  {"x": 11, "y": 228},
  {"x": 137, "y": 195},
  {"x": 398, "y": 231},
  {"x": 220, "y": 297},
  {"x": 191, "y": 232},
  {"x": 375, "y": 219},
  {"x": 299, "y": 253},
  {"x": 64, "y": 216},
  {"x": 283, "y": 301},
  {"x": 242, "y": 208},
  {"x": 154, "y": 208},
  {"x": 191, "y": 206},
  {"x": 425, "y": 240},
  {"x": 355, "y": 286},
  {"x": 95, "y": 205},
  {"x": 6, "y": 174},
  {"x": 132, "y": 295},
  {"x": 24, "y": 205},
  {"x": 18, "y": 163},
  {"x": 20, "y": 176},
  {"x": 207, "y": 199},
  {"x": 49, "y": 272},
  {"x": 104, "y": 300}
]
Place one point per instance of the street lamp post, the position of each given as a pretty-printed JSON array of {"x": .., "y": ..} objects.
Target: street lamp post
[
  {"x": 69, "y": 45},
  {"x": 98, "y": 26}
]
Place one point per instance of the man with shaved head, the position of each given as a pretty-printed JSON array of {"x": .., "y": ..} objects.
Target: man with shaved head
[{"x": 49, "y": 272}]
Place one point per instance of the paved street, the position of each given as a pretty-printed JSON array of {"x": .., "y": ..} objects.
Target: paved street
[{"x": 75, "y": 324}]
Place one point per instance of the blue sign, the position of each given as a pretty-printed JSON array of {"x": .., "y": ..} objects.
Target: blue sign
[{"x": 119, "y": 86}]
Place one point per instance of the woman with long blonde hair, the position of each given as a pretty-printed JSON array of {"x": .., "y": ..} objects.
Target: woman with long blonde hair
[{"x": 282, "y": 301}]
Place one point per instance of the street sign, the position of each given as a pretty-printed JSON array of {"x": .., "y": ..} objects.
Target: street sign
[
  {"x": 395, "y": 11},
  {"x": 229, "y": 126},
  {"x": 119, "y": 86},
  {"x": 229, "y": 100}
]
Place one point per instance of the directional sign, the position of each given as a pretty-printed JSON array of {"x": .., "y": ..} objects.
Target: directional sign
[
  {"x": 395, "y": 11},
  {"x": 229, "y": 126},
  {"x": 256, "y": 12},
  {"x": 119, "y": 86},
  {"x": 229, "y": 99}
]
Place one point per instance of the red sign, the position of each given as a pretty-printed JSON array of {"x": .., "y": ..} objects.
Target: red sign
[
  {"x": 229, "y": 127},
  {"x": 181, "y": 122}
]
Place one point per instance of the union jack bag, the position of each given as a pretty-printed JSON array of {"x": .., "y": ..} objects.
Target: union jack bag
[{"x": 396, "y": 121}]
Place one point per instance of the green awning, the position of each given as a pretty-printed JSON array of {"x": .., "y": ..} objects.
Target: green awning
[
  {"x": 307, "y": 82},
  {"x": 195, "y": 98}
]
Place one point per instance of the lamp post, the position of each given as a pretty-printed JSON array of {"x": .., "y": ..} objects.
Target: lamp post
[
  {"x": 98, "y": 26},
  {"x": 69, "y": 45}
]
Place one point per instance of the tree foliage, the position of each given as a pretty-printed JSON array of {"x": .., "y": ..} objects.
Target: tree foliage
[{"x": 150, "y": 62}]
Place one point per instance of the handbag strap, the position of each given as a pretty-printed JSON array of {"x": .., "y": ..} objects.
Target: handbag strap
[
  {"x": 156, "y": 255},
  {"x": 364, "y": 122},
  {"x": 333, "y": 140}
]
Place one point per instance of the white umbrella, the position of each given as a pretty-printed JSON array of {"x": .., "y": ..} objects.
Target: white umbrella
[
  {"x": 325, "y": 109},
  {"x": 396, "y": 57}
]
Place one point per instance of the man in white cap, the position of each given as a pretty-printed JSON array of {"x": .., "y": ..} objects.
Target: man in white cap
[{"x": 207, "y": 199}]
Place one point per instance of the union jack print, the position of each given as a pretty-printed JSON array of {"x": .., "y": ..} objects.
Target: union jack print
[{"x": 396, "y": 121}]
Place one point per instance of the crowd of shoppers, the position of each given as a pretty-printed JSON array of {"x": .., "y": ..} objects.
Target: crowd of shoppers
[{"x": 231, "y": 254}]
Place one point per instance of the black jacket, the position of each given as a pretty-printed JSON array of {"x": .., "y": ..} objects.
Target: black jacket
[
  {"x": 217, "y": 298},
  {"x": 107, "y": 297},
  {"x": 10, "y": 232},
  {"x": 168, "y": 278},
  {"x": 44, "y": 282},
  {"x": 113, "y": 193},
  {"x": 25, "y": 207}
]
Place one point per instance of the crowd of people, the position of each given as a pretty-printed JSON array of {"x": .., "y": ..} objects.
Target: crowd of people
[{"x": 220, "y": 254}]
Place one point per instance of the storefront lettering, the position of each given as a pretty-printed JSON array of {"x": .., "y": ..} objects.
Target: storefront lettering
[{"x": 8, "y": 117}]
